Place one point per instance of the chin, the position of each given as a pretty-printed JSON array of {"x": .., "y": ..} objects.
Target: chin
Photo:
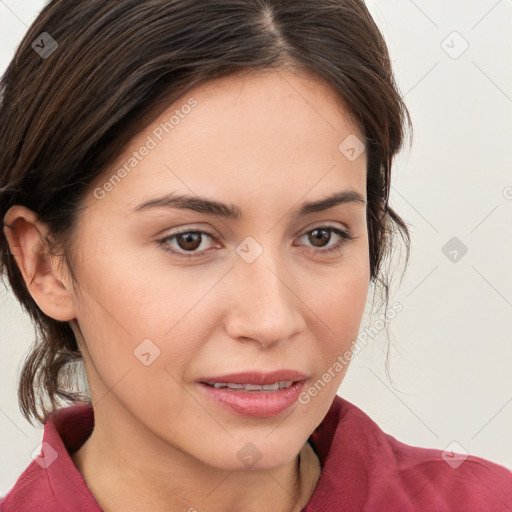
[{"x": 258, "y": 452}]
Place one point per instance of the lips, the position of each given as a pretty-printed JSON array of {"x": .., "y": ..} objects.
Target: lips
[
  {"x": 254, "y": 394},
  {"x": 253, "y": 404}
]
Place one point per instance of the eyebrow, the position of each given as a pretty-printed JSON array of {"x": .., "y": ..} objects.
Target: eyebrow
[{"x": 210, "y": 207}]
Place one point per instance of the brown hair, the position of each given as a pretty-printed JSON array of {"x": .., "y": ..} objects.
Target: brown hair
[{"x": 118, "y": 65}]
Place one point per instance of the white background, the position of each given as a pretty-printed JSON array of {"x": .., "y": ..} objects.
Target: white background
[{"x": 451, "y": 345}]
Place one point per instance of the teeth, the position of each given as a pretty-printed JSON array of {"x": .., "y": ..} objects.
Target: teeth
[
  {"x": 254, "y": 387},
  {"x": 235, "y": 386}
]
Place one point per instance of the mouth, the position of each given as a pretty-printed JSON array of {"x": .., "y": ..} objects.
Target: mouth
[{"x": 232, "y": 386}]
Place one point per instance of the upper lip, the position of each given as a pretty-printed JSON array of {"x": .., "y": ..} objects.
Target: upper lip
[{"x": 257, "y": 378}]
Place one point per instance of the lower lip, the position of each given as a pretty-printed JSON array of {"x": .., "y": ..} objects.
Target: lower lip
[{"x": 255, "y": 404}]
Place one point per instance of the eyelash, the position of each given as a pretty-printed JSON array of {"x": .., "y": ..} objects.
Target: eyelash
[{"x": 345, "y": 235}]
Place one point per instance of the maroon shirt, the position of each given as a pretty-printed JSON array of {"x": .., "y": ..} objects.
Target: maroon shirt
[{"x": 363, "y": 469}]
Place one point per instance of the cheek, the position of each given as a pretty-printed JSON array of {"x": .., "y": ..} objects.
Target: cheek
[
  {"x": 347, "y": 301},
  {"x": 343, "y": 297},
  {"x": 132, "y": 362},
  {"x": 340, "y": 307},
  {"x": 340, "y": 311},
  {"x": 144, "y": 324}
]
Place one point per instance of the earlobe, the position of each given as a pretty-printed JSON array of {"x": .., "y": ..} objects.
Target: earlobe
[{"x": 41, "y": 271}]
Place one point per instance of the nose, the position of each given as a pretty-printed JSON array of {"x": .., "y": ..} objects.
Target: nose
[{"x": 265, "y": 308}]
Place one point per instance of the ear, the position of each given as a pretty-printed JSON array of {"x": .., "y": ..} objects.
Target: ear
[{"x": 42, "y": 272}]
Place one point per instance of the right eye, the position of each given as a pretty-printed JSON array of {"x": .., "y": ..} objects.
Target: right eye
[{"x": 187, "y": 243}]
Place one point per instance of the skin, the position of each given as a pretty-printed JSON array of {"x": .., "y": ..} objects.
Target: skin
[{"x": 264, "y": 142}]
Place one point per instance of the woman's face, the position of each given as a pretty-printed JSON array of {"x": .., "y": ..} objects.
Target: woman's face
[{"x": 272, "y": 288}]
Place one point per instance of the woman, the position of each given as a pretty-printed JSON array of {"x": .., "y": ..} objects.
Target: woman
[{"x": 195, "y": 204}]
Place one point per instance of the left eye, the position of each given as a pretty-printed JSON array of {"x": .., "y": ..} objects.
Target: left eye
[
  {"x": 321, "y": 234},
  {"x": 190, "y": 241}
]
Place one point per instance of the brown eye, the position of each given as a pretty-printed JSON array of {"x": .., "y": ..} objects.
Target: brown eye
[
  {"x": 319, "y": 236},
  {"x": 322, "y": 235},
  {"x": 186, "y": 243},
  {"x": 189, "y": 241}
]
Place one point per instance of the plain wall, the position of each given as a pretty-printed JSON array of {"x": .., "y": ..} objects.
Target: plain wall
[{"x": 451, "y": 343}]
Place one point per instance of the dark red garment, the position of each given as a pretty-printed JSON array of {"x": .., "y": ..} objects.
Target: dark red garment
[{"x": 363, "y": 469}]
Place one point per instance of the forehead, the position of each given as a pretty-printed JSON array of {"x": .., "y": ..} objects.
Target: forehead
[
  {"x": 245, "y": 136},
  {"x": 276, "y": 106}
]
